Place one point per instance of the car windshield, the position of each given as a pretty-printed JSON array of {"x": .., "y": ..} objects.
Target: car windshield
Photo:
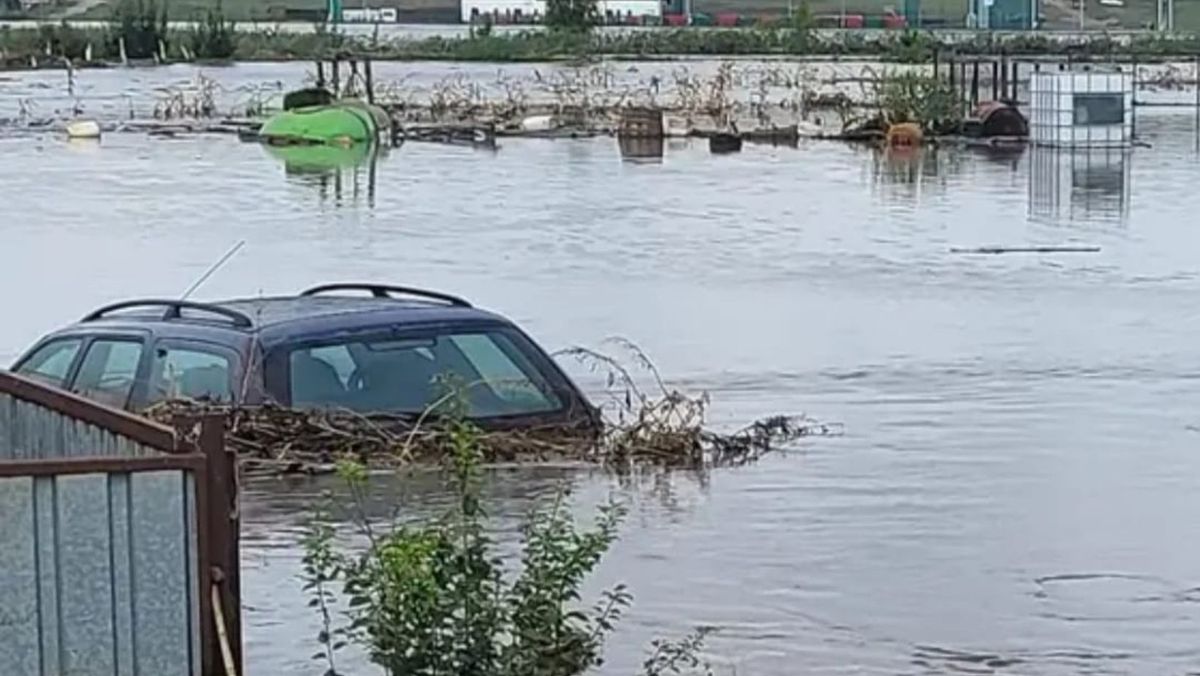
[{"x": 495, "y": 368}]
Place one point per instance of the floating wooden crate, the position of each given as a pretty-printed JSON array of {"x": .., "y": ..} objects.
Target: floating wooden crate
[{"x": 641, "y": 123}]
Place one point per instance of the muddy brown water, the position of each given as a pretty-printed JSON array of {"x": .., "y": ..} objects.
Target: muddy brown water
[{"x": 1016, "y": 489}]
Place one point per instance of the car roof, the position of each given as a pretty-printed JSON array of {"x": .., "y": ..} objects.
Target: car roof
[
  {"x": 280, "y": 319},
  {"x": 286, "y": 318}
]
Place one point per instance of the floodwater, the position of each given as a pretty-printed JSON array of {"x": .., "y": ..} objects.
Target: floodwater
[{"x": 1015, "y": 492}]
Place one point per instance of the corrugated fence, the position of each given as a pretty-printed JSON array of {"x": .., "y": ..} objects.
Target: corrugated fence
[{"x": 112, "y": 550}]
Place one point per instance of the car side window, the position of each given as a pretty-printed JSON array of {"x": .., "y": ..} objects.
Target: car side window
[
  {"x": 52, "y": 362},
  {"x": 109, "y": 371},
  {"x": 339, "y": 357},
  {"x": 190, "y": 372}
]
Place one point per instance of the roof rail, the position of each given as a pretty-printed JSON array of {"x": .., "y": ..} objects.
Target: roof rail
[
  {"x": 173, "y": 309},
  {"x": 387, "y": 291}
]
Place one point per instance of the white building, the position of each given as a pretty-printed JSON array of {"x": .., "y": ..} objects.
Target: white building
[
  {"x": 369, "y": 15},
  {"x": 532, "y": 11}
]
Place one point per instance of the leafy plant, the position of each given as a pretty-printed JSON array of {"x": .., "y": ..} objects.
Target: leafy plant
[
  {"x": 433, "y": 599},
  {"x": 577, "y": 16},
  {"x": 912, "y": 97},
  {"x": 320, "y": 572},
  {"x": 678, "y": 657},
  {"x": 802, "y": 18}
]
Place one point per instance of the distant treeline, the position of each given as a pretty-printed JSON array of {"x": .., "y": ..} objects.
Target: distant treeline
[{"x": 139, "y": 29}]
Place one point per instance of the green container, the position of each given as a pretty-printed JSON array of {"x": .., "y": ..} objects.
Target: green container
[{"x": 340, "y": 123}]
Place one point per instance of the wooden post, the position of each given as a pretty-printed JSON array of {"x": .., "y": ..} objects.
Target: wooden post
[
  {"x": 1003, "y": 77},
  {"x": 223, "y": 522},
  {"x": 371, "y": 177},
  {"x": 975, "y": 82},
  {"x": 370, "y": 81},
  {"x": 320, "y": 73},
  {"x": 1133, "y": 102},
  {"x": 962, "y": 79}
]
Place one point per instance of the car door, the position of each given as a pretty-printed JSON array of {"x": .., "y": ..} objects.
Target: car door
[{"x": 112, "y": 369}]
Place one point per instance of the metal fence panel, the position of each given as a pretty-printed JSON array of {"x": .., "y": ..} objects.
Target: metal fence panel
[
  {"x": 18, "y": 578},
  {"x": 29, "y": 431},
  {"x": 98, "y": 574}
]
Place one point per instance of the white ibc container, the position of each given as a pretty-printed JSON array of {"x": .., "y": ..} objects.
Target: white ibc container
[{"x": 1081, "y": 108}]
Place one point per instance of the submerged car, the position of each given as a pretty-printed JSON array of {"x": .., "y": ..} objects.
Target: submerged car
[{"x": 393, "y": 350}]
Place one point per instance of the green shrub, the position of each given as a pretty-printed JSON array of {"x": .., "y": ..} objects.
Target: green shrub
[
  {"x": 214, "y": 37},
  {"x": 141, "y": 25},
  {"x": 571, "y": 15},
  {"x": 910, "y": 97},
  {"x": 433, "y": 599}
]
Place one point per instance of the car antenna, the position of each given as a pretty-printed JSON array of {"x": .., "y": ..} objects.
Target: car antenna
[{"x": 215, "y": 266}]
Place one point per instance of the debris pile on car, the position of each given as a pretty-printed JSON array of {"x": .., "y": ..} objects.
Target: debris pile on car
[{"x": 668, "y": 429}]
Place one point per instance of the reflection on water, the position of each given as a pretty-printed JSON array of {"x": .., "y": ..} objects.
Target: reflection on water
[
  {"x": 641, "y": 150},
  {"x": 345, "y": 172},
  {"x": 909, "y": 173},
  {"x": 1080, "y": 185}
]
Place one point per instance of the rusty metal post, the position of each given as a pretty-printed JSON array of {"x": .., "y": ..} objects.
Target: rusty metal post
[{"x": 223, "y": 556}]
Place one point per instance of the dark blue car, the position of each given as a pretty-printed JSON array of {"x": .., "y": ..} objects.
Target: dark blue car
[{"x": 384, "y": 352}]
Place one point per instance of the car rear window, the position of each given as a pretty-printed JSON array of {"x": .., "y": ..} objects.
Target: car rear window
[{"x": 494, "y": 368}]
